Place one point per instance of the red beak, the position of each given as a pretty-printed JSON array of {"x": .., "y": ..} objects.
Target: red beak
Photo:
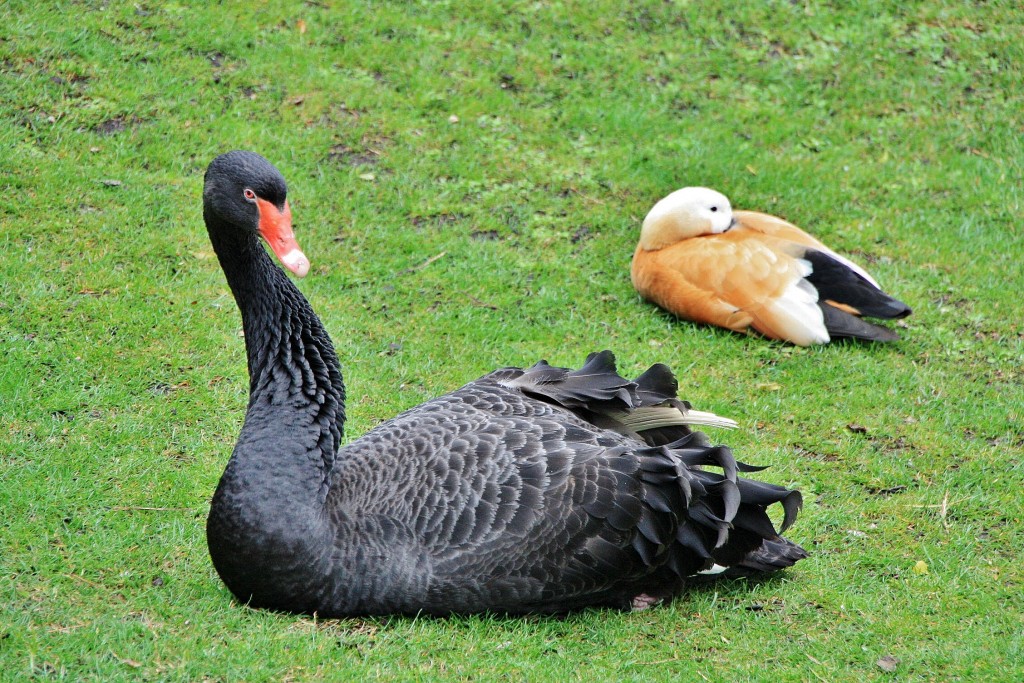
[{"x": 276, "y": 228}]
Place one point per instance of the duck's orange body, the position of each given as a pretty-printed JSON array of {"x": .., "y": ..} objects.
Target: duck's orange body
[{"x": 745, "y": 271}]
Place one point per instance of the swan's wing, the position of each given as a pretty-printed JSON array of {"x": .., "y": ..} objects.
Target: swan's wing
[
  {"x": 542, "y": 509},
  {"x": 577, "y": 521},
  {"x": 646, "y": 408},
  {"x": 500, "y": 497}
]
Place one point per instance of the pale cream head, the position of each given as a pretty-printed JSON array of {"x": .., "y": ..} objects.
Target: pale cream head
[{"x": 689, "y": 212}]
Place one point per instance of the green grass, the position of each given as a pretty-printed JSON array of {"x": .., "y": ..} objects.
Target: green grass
[{"x": 444, "y": 249}]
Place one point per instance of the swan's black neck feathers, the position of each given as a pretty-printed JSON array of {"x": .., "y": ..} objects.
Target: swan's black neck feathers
[{"x": 294, "y": 375}]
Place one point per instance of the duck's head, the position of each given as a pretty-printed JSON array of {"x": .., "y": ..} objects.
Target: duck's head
[
  {"x": 689, "y": 212},
  {"x": 245, "y": 193}
]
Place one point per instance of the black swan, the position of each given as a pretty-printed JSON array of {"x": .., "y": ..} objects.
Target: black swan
[{"x": 528, "y": 490}]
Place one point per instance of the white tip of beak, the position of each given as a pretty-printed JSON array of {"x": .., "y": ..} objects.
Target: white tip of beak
[{"x": 296, "y": 262}]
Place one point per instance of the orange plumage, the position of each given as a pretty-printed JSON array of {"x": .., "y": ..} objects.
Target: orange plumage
[{"x": 745, "y": 270}]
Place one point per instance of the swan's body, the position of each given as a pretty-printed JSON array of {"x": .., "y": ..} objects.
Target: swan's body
[
  {"x": 505, "y": 495},
  {"x": 745, "y": 270}
]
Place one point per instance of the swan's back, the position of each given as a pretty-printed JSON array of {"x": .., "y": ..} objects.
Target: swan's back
[{"x": 525, "y": 491}]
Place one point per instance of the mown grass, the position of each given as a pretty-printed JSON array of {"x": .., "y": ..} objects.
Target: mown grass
[{"x": 444, "y": 247}]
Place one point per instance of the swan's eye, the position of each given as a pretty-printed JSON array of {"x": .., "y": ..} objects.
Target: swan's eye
[
  {"x": 714, "y": 208},
  {"x": 249, "y": 195}
]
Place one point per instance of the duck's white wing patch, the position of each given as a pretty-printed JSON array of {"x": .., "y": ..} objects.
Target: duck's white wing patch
[{"x": 796, "y": 313}]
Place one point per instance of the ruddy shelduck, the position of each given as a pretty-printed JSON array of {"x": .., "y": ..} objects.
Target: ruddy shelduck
[{"x": 745, "y": 270}]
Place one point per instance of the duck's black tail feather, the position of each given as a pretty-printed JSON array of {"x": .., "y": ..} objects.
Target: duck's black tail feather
[
  {"x": 839, "y": 323},
  {"x": 836, "y": 281}
]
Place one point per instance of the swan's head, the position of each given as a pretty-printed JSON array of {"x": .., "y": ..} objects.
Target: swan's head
[
  {"x": 244, "y": 192},
  {"x": 689, "y": 212}
]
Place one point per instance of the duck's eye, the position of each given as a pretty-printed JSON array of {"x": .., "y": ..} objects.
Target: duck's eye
[
  {"x": 714, "y": 208},
  {"x": 249, "y": 195}
]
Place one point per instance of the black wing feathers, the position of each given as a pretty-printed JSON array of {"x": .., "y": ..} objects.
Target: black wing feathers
[
  {"x": 839, "y": 323},
  {"x": 662, "y": 515},
  {"x": 580, "y": 515},
  {"x": 837, "y": 282}
]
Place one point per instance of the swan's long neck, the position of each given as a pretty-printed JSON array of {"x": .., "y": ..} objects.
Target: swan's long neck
[{"x": 296, "y": 394}]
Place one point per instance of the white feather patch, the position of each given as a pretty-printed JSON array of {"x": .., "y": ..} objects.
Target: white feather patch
[
  {"x": 653, "y": 417},
  {"x": 797, "y": 310},
  {"x": 806, "y": 269}
]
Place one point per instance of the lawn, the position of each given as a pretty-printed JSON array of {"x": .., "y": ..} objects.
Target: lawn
[{"x": 468, "y": 180}]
